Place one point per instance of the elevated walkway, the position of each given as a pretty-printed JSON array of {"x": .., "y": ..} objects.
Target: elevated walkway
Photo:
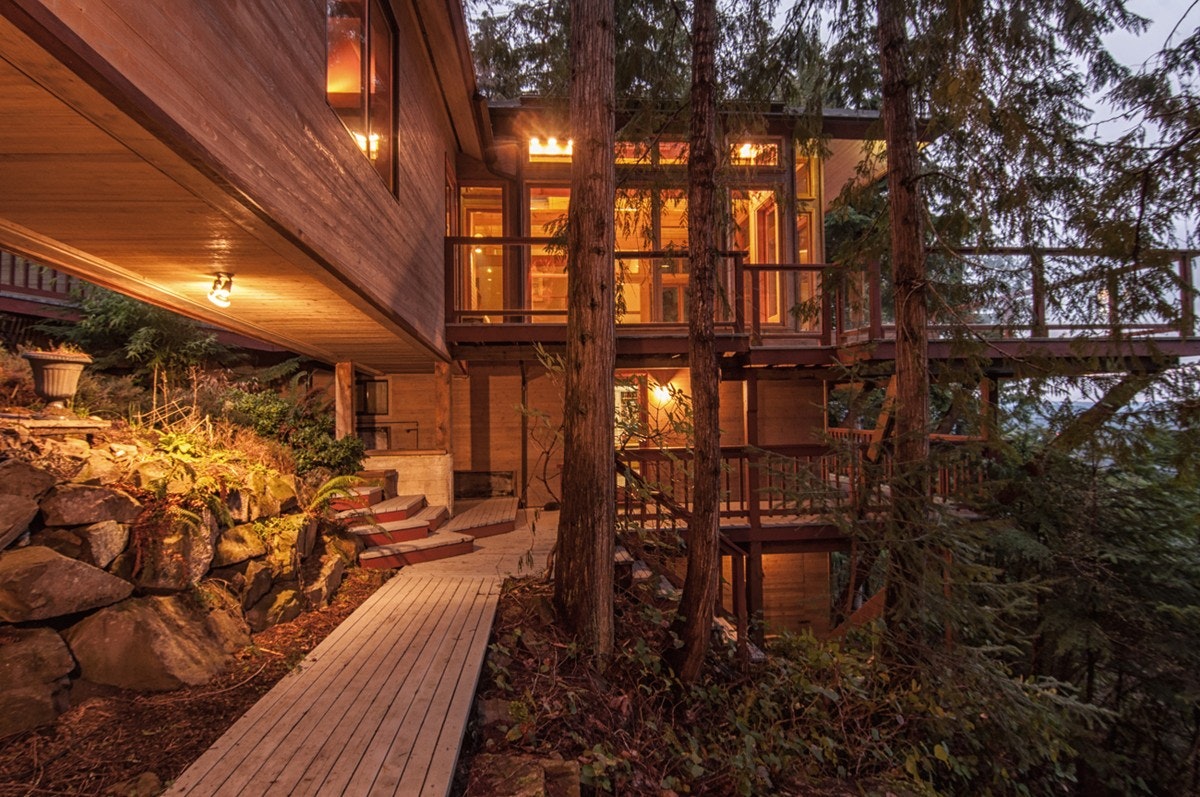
[{"x": 380, "y": 706}]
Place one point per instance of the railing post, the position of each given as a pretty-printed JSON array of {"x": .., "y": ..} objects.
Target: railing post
[
  {"x": 755, "y": 310},
  {"x": 827, "y": 302},
  {"x": 451, "y": 279},
  {"x": 739, "y": 298},
  {"x": 875, "y": 294},
  {"x": 1038, "y": 266},
  {"x": 1112, "y": 285},
  {"x": 1187, "y": 296}
]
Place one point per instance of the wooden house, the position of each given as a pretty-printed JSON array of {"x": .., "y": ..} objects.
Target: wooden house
[{"x": 324, "y": 176}]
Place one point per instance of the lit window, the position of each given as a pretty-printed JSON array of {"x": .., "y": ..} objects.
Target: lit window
[
  {"x": 754, "y": 153},
  {"x": 360, "y": 77},
  {"x": 551, "y": 150}
]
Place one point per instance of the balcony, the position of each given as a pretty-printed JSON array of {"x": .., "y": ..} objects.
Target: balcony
[{"x": 505, "y": 292}]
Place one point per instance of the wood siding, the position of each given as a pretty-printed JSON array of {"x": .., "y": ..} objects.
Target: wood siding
[{"x": 227, "y": 100}]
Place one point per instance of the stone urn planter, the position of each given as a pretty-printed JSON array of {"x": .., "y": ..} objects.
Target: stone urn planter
[{"x": 56, "y": 374}]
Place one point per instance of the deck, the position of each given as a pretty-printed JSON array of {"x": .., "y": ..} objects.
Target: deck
[{"x": 380, "y": 706}]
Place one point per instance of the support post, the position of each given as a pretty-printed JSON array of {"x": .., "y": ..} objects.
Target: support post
[
  {"x": 875, "y": 295},
  {"x": 343, "y": 399},
  {"x": 750, "y": 436},
  {"x": 441, "y": 406},
  {"x": 754, "y": 579},
  {"x": 1038, "y": 266}
]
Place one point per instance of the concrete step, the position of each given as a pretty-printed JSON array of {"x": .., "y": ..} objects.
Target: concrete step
[
  {"x": 413, "y": 528},
  {"x": 439, "y": 545},
  {"x": 401, "y": 507},
  {"x": 485, "y": 518},
  {"x": 359, "y": 497}
]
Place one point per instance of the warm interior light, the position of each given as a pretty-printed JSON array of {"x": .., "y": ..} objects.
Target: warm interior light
[
  {"x": 221, "y": 288},
  {"x": 368, "y": 144},
  {"x": 747, "y": 152},
  {"x": 662, "y": 394}
]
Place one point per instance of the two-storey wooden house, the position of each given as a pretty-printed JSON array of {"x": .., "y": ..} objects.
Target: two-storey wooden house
[{"x": 329, "y": 168}]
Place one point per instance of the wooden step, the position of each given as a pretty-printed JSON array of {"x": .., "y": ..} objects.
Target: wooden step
[
  {"x": 401, "y": 507},
  {"x": 439, "y": 545},
  {"x": 413, "y": 528},
  {"x": 384, "y": 479},
  {"x": 359, "y": 497},
  {"x": 486, "y": 517}
]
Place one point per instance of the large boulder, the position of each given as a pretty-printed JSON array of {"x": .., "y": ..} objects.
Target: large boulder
[
  {"x": 104, "y": 540},
  {"x": 325, "y": 584},
  {"x": 37, "y": 583},
  {"x": 237, "y": 545},
  {"x": 157, "y": 643},
  {"x": 178, "y": 556},
  {"x": 280, "y": 605},
  {"x": 16, "y": 513},
  {"x": 99, "y": 468},
  {"x": 34, "y": 665},
  {"x": 263, "y": 494},
  {"x": 18, "y": 477},
  {"x": 82, "y": 505}
]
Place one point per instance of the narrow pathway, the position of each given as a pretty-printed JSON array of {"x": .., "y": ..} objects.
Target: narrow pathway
[{"x": 380, "y": 706}]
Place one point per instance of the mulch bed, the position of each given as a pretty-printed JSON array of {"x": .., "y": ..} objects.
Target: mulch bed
[{"x": 106, "y": 740}]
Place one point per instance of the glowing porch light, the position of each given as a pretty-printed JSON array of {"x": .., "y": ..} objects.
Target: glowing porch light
[
  {"x": 222, "y": 287},
  {"x": 551, "y": 149}
]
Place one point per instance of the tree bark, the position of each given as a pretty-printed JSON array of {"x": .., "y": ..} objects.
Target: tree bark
[
  {"x": 694, "y": 623},
  {"x": 907, "y": 556},
  {"x": 583, "y": 568}
]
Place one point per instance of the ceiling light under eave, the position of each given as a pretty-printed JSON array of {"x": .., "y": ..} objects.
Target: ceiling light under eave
[{"x": 222, "y": 287}]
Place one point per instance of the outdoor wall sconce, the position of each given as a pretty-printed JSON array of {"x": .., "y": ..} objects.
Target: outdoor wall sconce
[{"x": 221, "y": 288}]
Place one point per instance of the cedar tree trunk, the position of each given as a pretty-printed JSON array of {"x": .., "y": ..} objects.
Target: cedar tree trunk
[
  {"x": 908, "y": 558},
  {"x": 694, "y": 624},
  {"x": 583, "y": 567}
]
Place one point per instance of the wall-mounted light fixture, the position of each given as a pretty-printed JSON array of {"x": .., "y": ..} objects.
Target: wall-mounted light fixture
[
  {"x": 662, "y": 394},
  {"x": 221, "y": 288}
]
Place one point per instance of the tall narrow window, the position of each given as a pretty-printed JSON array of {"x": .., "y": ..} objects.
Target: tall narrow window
[{"x": 360, "y": 77}]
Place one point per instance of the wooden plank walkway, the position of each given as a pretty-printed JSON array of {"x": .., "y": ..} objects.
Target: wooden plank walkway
[
  {"x": 380, "y": 706},
  {"x": 369, "y": 710}
]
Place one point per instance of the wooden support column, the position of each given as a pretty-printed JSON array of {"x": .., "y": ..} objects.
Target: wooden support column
[
  {"x": 1037, "y": 266},
  {"x": 441, "y": 406},
  {"x": 750, "y": 436},
  {"x": 343, "y": 399},
  {"x": 875, "y": 297},
  {"x": 754, "y": 598}
]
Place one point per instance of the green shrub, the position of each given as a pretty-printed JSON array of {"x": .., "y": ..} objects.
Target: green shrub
[{"x": 303, "y": 421}]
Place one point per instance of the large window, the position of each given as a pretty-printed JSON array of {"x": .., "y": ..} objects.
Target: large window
[
  {"x": 483, "y": 272},
  {"x": 360, "y": 77}
]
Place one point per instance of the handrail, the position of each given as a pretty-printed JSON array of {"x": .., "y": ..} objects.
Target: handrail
[{"x": 849, "y": 311}]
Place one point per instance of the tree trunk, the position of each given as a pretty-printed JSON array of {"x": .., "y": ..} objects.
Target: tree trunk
[
  {"x": 694, "y": 624},
  {"x": 908, "y": 557},
  {"x": 583, "y": 569}
]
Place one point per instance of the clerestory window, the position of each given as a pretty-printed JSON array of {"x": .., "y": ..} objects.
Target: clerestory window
[{"x": 360, "y": 78}]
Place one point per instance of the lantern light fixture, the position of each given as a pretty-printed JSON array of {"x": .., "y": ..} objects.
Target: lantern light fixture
[{"x": 222, "y": 287}]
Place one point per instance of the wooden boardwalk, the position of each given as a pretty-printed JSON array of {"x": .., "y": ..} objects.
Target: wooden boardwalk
[{"x": 380, "y": 706}]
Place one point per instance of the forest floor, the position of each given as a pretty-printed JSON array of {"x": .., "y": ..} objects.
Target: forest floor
[{"x": 133, "y": 743}]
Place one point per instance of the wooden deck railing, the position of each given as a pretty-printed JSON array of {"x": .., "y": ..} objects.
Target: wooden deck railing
[
  {"x": 1105, "y": 298},
  {"x": 23, "y": 277}
]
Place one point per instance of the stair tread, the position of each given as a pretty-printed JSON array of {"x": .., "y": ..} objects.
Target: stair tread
[
  {"x": 422, "y": 518},
  {"x": 401, "y": 503},
  {"x": 436, "y": 540}
]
